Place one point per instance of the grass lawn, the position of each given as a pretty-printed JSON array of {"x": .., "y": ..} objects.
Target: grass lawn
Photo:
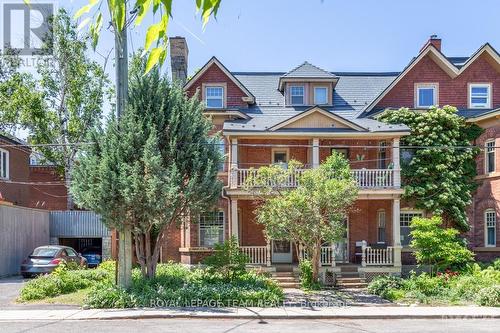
[{"x": 75, "y": 298}]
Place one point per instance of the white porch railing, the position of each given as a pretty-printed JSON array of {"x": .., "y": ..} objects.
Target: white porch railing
[
  {"x": 377, "y": 257},
  {"x": 365, "y": 178},
  {"x": 258, "y": 255},
  {"x": 326, "y": 256}
]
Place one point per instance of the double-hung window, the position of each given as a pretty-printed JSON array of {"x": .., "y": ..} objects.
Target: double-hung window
[
  {"x": 490, "y": 219},
  {"x": 405, "y": 220},
  {"x": 381, "y": 226},
  {"x": 480, "y": 95},
  {"x": 382, "y": 155},
  {"x": 320, "y": 95},
  {"x": 4, "y": 164},
  {"x": 211, "y": 227},
  {"x": 426, "y": 95},
  {"x": 489, "y": 158},
  {"x": 297, "y": 95},
  {"x": 214, "y": 97}
]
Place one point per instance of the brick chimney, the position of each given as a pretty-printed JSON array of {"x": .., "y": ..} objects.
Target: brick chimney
[
  {"x": 433, "y": 40},
  {"x": 179, "y": 58}
]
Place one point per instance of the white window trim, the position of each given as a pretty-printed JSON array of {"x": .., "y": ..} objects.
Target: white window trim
[
  {"x": 408, "y": 211},
  {"x": 326, "y": 95},
  {"x": 479, "y": 85},
  {"x": 280, "y": 150},
  {"x": 486, "y": 153},
  {"x": 303, "y": 94},
  {"x": 223, "y": 226},
  {"x": 490, "y": 210},
  {"x": 7, "y": 173},
  {"x": 207, "y": 97},
  {"x": 433, "y": 85}
]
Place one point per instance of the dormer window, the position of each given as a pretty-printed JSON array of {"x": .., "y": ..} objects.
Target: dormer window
[
  {"x": 426, "y": 95},
  {"x": 480, "y": 95},
  {"x": 320, "y": 95},
  {"x": 297, "y": 95},
  {"x": 214, "y": 97}
]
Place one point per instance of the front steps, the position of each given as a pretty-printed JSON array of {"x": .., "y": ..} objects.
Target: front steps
[
  {"x": 349, "y": 278},
  {"x": 286, "y": 280}
]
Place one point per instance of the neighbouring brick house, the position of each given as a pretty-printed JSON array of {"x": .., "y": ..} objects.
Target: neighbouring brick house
[
  {"x": 25, "y": 183},
  {"x": 305, "y": 114}
]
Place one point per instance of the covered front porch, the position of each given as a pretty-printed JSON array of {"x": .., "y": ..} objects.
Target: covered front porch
[{"x": 372, "y": 237}]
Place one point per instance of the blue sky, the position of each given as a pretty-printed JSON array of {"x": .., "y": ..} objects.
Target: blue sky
[{"x": 354, "y": 35}]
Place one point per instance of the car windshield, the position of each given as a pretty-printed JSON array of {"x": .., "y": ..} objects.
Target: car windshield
[{"x": 44, "y": 252}]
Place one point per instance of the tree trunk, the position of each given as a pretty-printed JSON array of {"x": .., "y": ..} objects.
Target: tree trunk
[
  {"x": 316, "y": 252},
  {"x": 70, "y": 205}
]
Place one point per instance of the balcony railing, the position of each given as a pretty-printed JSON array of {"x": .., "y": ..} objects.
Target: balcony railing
[
  {"x": 258, "y": 255},
  {"x": 365, "y": 178}
]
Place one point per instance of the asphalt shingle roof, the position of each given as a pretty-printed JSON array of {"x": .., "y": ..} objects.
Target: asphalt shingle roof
[{"x": 308, "y": 70}]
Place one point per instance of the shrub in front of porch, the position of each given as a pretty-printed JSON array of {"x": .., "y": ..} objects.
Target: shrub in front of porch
[
  {"x": 472, "y": 286},
  {"x": 176, "y": 285}
]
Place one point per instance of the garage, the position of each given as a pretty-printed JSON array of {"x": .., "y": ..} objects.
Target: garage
[{"x": 81, "y": 230}]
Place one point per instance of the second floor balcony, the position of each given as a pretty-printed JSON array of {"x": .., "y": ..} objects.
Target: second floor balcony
[{"x": 365, "y": 178}]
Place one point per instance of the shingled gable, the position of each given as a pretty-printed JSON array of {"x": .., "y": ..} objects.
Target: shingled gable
[
  {"x": 443, "y": 62},
  {"x": 215, "y": 62},
  {"x": 306, "y": 71},
  {"x": 315, "y": 111}
]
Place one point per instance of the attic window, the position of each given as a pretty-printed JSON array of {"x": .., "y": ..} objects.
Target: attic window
[
  {"x": 480, "y": 96},
  {"x": 297, "y": 95},
  {"x": 214, "y": 97},
  {"x": 426, "y": 95},
  {"x": 320, "y": 95}
]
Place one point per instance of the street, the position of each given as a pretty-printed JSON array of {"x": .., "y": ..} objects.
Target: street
[{"x": 255, "y": 326}]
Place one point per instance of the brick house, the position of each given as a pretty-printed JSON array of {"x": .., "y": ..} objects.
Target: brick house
[
  {"x": 305, "y": 114},
  {"x": 26, "y": 183}
]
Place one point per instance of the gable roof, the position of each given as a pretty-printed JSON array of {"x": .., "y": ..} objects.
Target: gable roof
[
  {"x": 306, "y": 71},
  {"x": 216, "y": 62},
  {"x": 453, "y": 66},
  {"x": 317, "y": 109}
]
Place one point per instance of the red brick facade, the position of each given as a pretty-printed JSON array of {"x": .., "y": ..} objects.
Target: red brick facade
[{"x": 452, "y": 91}]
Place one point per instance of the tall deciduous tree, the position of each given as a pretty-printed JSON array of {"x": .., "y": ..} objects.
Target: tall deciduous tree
[
  {"x": 310, "y": 214},
  {"x": 439, "y": 175},
  {"x": 65, "y": 101},
  {"x": 153, "y": 167}
]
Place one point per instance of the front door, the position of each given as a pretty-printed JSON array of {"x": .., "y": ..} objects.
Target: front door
[{"x": 282, "y": 251}]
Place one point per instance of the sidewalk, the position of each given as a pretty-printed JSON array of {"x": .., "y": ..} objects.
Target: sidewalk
[{"x": 387, "y": 312}]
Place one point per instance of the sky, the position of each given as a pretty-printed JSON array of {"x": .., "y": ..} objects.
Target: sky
[
  {"x": 336, "y": 35},
  {"x": 354, "y": 35}
]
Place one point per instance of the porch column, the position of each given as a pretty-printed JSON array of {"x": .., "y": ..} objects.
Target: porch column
[
  {"x": 268, "y": 253},
  {"x": 233, "y": 169},
  {"x": 315, "y": 153},
  {"x": 395, "y": 162},
  {"x": 234, "y": 219},
  {"x": 396, "y": 242}
]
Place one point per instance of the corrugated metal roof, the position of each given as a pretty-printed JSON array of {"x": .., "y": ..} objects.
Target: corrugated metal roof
[{"x": 76, "y": 223}]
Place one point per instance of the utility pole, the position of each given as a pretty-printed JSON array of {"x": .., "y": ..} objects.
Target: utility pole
[{"x": 124, "y": 271}]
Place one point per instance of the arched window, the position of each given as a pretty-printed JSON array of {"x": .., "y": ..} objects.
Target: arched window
[{"x": 490, "y": 227}]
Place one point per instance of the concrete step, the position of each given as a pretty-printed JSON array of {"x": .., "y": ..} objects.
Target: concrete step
[
  {"x": 284, "y": 274},
  {"x": 352, "y": 285},
  {"x": 280, "y": 279},
  {"x": 288, "y": 285},
  {"x": 350, "y": 279}
]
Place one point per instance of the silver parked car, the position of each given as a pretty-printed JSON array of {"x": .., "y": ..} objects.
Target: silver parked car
[{"x": 45, "y": 259}]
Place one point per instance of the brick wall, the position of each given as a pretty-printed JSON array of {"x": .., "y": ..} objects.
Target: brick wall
[
  {"x": 45, "y": 195},
  {"x": 256, "y": 156},
  {"x": 367, "y": 156},
  {"x": 215, "y": 75},
  {"x": 451, "y": 91},
  {"x": 15, "y": 189}
]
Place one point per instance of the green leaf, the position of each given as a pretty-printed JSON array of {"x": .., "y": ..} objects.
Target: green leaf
[
  {"x": 153, "y": 58},
  {"x": 119, "y": 14},
  {"x": 85, "y": 9},
  {"x": 155, "y": 32},
  {"x": 144, "y": 6},
  {"x": 83, "y": 23}
]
